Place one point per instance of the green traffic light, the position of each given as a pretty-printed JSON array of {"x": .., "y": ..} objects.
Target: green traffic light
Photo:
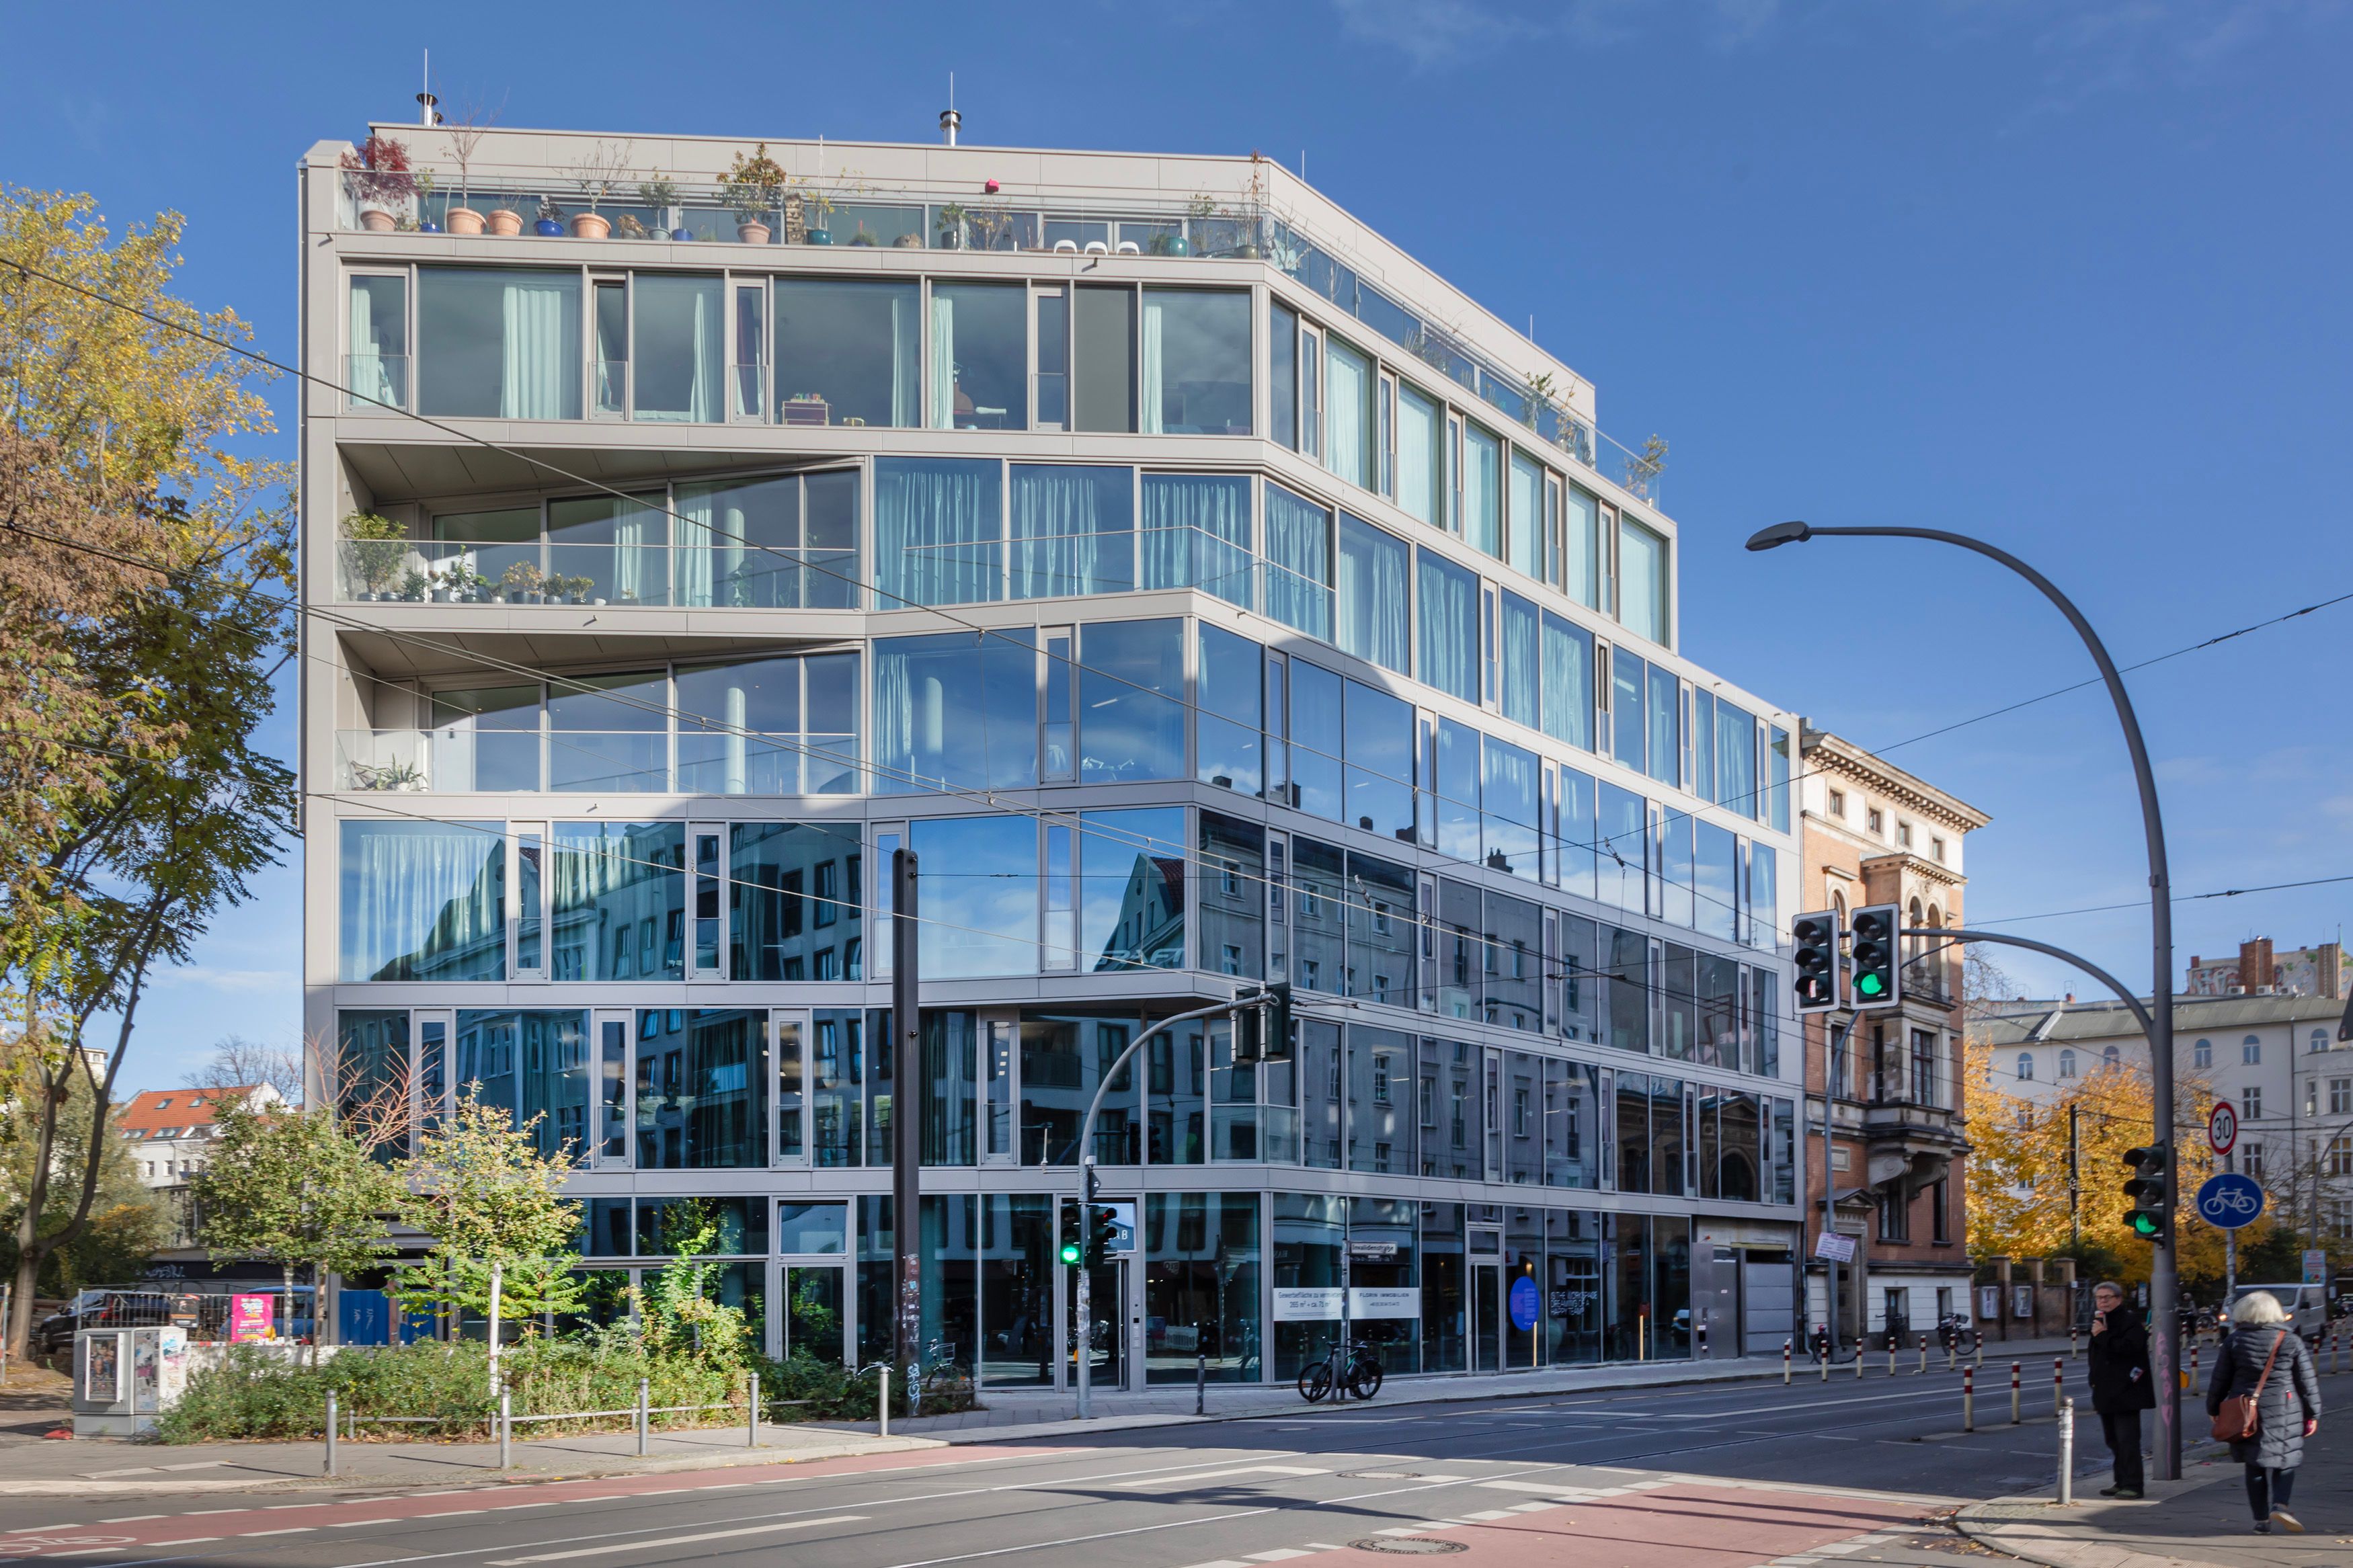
[
  {"x": 2146, "y": 1225},
  {"x": 1070, "y": 1253},
  {"x": 1869, "y": 984}
]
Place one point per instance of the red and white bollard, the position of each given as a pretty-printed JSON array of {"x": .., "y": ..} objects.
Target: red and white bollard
[
  {"x": 1969, "y": 1399},
  {"x": 2058, "y": 1383},
  {"x": 2017, "y": 1396},
  {"x": 1785, "y": 1364}
]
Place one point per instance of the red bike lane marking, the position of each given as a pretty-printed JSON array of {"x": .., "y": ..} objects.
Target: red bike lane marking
[{"x": 260, "y": 1519}]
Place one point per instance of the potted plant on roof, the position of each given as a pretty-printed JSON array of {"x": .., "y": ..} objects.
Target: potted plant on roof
[
  {"x": 380, "y": 181},
  {"x": 466, "y": 132},
  {"x": 953, "y": 218},
  {"x": 755, "y": 188},
  {"x": 522, "y": 582},
  {"x": 597, "y": 174},
  {"x": 661, "y": 194}
]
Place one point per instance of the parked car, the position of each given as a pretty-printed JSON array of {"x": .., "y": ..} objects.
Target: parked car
[
  {"x": 53, "y": 1335},
  {"x": 2307, "y": 1310}
]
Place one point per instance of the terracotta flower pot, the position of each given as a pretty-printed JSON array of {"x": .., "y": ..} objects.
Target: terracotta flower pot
[
  {"x": 753, "y": 233},
  {"x": 590, "y": 226},
  {"x": 464, "y": 220},
  {"x": 375, "y": 220},
  {"x": 505, "y": 221}
]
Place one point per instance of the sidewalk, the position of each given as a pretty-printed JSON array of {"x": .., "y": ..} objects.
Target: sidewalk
[{"x": 2201, "y": 1519}]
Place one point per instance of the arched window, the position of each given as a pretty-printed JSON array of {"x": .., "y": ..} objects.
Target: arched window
[
  {"x": 2202, "y": 1053},
  {"x": 2066, "y": 1064},
  {"x": 2319, "y": 1039},
  {"x": 1913, "y": 946},
  {"x": 2026, "y": 1066},
  {"x": 1838, "y": 908},
  {"x": 2111, "y": 1057},
  {"x": 2250, "y": 1050}
]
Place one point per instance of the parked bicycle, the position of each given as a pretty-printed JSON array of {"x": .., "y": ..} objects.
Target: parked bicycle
[
  {"x": 1349, "y": 1364},
  {"x": 943, "y": 1376}
]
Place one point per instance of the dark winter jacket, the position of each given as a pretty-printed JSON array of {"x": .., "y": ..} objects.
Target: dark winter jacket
[
  {"x": 2291, "y": 1393},
  {"x": 2119, "y": 1364}
]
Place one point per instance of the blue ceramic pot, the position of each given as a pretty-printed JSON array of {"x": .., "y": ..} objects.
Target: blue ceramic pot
[
  {"x": 548, "y": 227},
  {"x": 820, "y": 236},
  {"x": 428, "y": 228},
  {"x": 681, "y": 234}
]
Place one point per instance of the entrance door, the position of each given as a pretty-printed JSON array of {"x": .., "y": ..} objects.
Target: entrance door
[
  {"x": 812, "y": 1317},
  {"x": 1486, "y": 1317},
  {"x": 1108, "y": 1315}
]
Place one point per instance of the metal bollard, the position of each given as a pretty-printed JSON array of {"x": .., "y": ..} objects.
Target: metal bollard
[
  {"x": 2194, "y": 1348},
  {"x": 1860, "y": 1355},
  {"x": 1969, "y": 1399},
  {"x": 644, "y": 1419},
  {"x": 2066, "y": 1452},
  {"x": 752, "y": 1422},
  {"x": 2074, "y": 1342},
  {"x": 331, "y": 1431},
  {"x": 882, "y": 1402},
  {"x": 2017, "y": 1397},
  {"x": 1924, "y": 1355},
  {"x": 1785, "y": 1364},
  {"x": 1979, "y": 1334},
  {"x": 1200, "y": 1383},
  {"x": 2057, "y": 1385},
  {"x": 506, "y": 1429},
  {"x": 1952, "y": 1352},
  {"x": 1890, "y": 1355}
]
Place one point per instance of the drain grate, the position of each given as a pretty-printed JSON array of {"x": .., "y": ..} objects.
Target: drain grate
[
  {"x": 1380, "y": 1475},
  {"x": 1409, "y": 1545}
]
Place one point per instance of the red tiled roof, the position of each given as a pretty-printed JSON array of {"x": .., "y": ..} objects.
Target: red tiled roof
[{"x": 160, "y": 1112}]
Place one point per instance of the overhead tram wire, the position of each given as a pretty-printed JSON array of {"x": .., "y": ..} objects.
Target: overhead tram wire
[{"x": 948, "y": 612}]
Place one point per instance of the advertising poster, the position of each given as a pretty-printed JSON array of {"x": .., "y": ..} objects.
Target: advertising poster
[
  {"x": 251, "y": 1318},
  {"x": 101, "y": 1376}
]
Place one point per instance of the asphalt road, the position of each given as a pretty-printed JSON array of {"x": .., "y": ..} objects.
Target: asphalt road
[{"x": 1719, "y": 1476}]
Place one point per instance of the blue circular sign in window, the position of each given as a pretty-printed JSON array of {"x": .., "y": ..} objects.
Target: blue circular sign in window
[{"x": 1525, "y": 1302}]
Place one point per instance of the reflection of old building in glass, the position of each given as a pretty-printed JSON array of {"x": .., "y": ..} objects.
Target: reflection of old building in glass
[{"x": 1208, "y": 595}]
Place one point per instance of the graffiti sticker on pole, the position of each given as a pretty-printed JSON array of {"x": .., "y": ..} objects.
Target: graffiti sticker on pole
[{"x": 2223, "y": 1126}]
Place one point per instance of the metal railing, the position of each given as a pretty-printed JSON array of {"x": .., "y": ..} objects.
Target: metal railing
[
  {"x": 618, "y": 762},
  {"x": 342, "y": 1425},
  {"x": 625, "y": 572}
]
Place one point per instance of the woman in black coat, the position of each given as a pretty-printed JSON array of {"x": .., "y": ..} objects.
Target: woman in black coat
[{"x": 2288, "y": 1411}]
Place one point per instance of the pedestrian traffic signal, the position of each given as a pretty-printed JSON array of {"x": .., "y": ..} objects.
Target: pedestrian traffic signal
[
  {"x": 1262, "y": 1031},
  {"x": 1074, "y": 1246},
  {"x": 1878, "y": 975},
  {"x": 1817, "y": 938},
  {"x": 2151, "y": 1216},
  {"x": 1103, "y": 1229}
]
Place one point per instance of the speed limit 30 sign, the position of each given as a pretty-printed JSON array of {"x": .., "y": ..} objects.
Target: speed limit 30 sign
[{"x": 2223, "y": 1126}]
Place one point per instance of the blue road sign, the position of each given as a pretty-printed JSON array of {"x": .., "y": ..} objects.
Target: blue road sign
[
  {"x": 1525, "y": 1302},
  {"x": 2229, "y": 1201}
]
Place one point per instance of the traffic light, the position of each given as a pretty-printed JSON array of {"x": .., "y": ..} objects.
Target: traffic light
[
  {"x": 1878, "y": 968},
  {"x": 1103, "y": 1226},
  {"x": 1262, "y": 1033},
  {"x": 1279, "y": 1028},
  {"x": 1074, "y": 1246},
  {"x": 1817, "y": 938},
  {"x": 2151, "y": 1216}
]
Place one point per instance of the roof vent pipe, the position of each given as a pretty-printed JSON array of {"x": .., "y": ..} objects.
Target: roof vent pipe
[{"x": 950, "y": 124}]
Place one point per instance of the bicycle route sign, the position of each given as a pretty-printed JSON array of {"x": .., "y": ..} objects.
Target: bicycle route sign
[
  {"x": 2223, "y": 1126},
  {"x": 2229, "y": 1201}
]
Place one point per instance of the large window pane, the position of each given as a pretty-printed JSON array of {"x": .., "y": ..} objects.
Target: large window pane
[
  {"x": 978, "y": 884},
  {"x": 836, "y": 1076},
  {"x": 1299, "y": 563},
  {"x": 1421, "y": 465},
  {"x": 534, "y": 1066},
  {"x": 1449, "y": 602},
  {"x": 1736, "y": 759},
  {"x": 959, "y": 710},
  {"x": 1527, "y": 515},
  {"x": 1233, "y": 897},
  {"x": 846, "y": 352},
  {"x": 1381, "y": 931},
  {"x": 1196, "y": 379},
  {"x": 375, "y": 365},
  {"x": 423, "y": 901},
  {"x": 1642, "y": 581},
  {"x": 1629, "y": 723},
  {"x": 1508, "y": 809},
  {"x": 498, "y": 342},
  {"x": 1132, "y": 879},
  {"x": 1380, "y": 1102},
  {"x": 980, "y": 357},
  {"x": 1197, "y": 534},
  {"x": 609, "y": 548},
  {"x": 1073, "y": 530},
  {"x": 1373, "y": 595},
  {"x": 609, "y": 733},
  {"x": 1315, "y": 741},
  {"x": 1568, "y": 681},
  {"x": 486, "y": 738},
  {"x": 939, "y": 531},
  {"x": 1483, "y": 490},
  {"x": 1666, "y": 726},
  {"x": 739, "y": 544},
  {"x": 794, "y": 893},
  {"x": 1619, "y": 850},
  {"x": 1458, "y": 790},
  {"x": 1573, "y": 831},
  {"x": 1522, "y": 674},
  {"x": 1348, "y": 412},
  {"x": 680, "y": 347},
  {"x": 1379, "y": 745},
  {"x": 701, "y": 1089},
  {"x": 1283, "y": 373},
  {"x": 1201, "y": 1286},
  {"x": 1581, "y": 549},
  {"x": 1230, "y": 707},
  {"x": 1131, "y": 702},
  {"x": 1674, "y": 865},
  {"x": 619, "y": 901},
  {"x": 739, "y": 728},
  {"x": 1717, "y": 884},
  {"x": 1104, "y": 358}
]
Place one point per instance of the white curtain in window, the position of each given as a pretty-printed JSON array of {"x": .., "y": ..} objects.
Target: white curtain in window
[
  {"x": 1527, "y": 515},
  {"x": 1152, "y": 414},
  {"x": 1299, "y": 543},
  {"x": 636, "y": 576},
  {"x": 1348, "y": 392},
  {"x": 1482, "y": 491},
  {"x": 1197, "y": 533},
  {"x": 937, "y": 534},
  {"x": 1373, "y": 596},
  {"x": 541, "y": 343},
  {"x": 702, "y": 398},
  {"x": 942, "y": 362},
  {"x": 905, "y": 377},
  {"x": 1417, "y": 455},
  {"x": 1567, "y": 682},
  {"x": 370, "y": 377},
  {"x": 697, "y": 508},
  {"x": 1450, "y": 628},
  {"x": 423, "y": 901},
  {"x": 1059, "y": 546},
  {"x": 1642, "y": 582}
]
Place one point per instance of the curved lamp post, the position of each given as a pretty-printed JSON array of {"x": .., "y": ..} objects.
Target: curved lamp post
[{"x": 2164, "y": 1284}]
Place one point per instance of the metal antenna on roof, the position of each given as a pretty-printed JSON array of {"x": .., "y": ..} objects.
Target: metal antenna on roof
[
  {"x": 950, "y": 121},
  {"x": 425, "y": 114}
]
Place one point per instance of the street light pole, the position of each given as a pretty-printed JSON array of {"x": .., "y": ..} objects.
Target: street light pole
[{"x": 2164, "y": 1284}]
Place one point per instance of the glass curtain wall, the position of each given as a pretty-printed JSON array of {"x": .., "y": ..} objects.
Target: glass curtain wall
[
  {"x": 848, "y": 352},
  {"x": 1197, "y": 534},
  {"x": 1073, "y": 530},
  {"x": 498, "y": 342}
]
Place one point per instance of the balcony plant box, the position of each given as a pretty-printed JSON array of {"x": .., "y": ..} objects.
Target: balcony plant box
[
  {"x": 505, "y": 222},
  {"x": 756, "y": 190},
  {"x": 590, "y": 226},
  {"x": 381, "y": 182},
  {"x": 466, "y": 220}
]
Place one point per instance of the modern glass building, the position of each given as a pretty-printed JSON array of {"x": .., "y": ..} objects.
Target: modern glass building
[{"x": 1206, "y": 591}]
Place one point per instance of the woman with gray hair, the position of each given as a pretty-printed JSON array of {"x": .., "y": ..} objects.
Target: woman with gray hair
[{"x": 2264, "y": 1358}]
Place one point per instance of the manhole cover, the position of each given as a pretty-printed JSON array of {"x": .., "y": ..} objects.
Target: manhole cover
[
  {"x": 1380, "y": 1475},
  {"x": 1409, "y": 1545}
]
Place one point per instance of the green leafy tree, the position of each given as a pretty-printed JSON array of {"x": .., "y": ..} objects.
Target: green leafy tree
[
  {"x": 293, "y": 1187},
  {"x": 128, "y": 1221},
  {"x": 679, "y": 1314},
  {"x": 481, "y": 1187}
]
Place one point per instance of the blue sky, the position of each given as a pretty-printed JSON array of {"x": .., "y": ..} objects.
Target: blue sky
[{"x": 2067, "y": 276}]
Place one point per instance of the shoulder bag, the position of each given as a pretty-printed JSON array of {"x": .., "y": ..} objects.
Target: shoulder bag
[{"x": 2238, "y": 1420}]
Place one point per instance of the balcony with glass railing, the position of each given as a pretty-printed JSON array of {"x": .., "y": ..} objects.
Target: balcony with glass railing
[
  {"x": 494, "y": 572},
  {"x": 594, "y": 761}
]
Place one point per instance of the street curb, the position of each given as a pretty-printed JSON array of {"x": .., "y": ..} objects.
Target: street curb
[
  {"x": 1980, "y": 1522},
  {"x": 487, "y": 1477}
]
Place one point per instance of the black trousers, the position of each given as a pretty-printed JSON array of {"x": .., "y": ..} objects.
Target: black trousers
[
  {"x": 2121, "y": 1429},
  {"x": 2268, "y": 1489}
]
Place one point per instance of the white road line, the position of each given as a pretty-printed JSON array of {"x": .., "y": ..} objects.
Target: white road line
[
  {"x": 341, "y": 1524},
  {"x": 674, "y": 1539},
  {"x": 185, "y": 1540},
  {"x": 1279, "y": 1554},
  {"x": 132, "y": 1517},
  {"x": 1081, "y": 1540},
  {"x": 1235, "y": 1470},
  {"x": 1483, "y": 1515},
  {"x": 297, "y": 1530}
]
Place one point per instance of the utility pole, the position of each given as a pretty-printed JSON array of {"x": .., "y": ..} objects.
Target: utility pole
[
  {"x": 2074, "y": 1179},
  {"x": 1834, "y": 1040},
  {"x": 906, "y": 1109}
]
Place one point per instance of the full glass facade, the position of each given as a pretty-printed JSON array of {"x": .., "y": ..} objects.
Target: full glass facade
[{"x": 1189, "y": 630}]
